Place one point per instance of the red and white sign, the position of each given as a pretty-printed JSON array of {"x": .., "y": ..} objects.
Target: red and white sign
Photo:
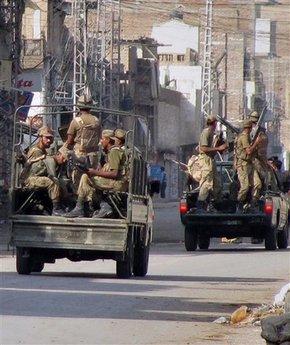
[{"x": 30, "y": 80}]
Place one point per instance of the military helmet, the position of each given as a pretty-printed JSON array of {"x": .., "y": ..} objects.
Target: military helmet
[
  {"x": 247, "y": 123},
  {"x": 45, "y": 131},
  {"x": 84, "y": 101},
  {"x": 254, "y": 116},
  {"x": 108, "y": 133},
  {"x": 211, "y": 119},
  {"x": 120, "y": 133}
]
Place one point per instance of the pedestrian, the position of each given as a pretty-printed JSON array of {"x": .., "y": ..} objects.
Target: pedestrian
[
  {"x": 83, "y": 136},
  {"x": 209, "y": 183},
  {"x": 163, "y": 183}
]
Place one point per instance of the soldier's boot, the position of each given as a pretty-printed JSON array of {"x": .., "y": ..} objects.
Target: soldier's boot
[
  {"x": 77, "y": 212},
  {"x": 200, "y": 206},
  {"x": 57, "y": 209},
  {"x": 88, "y": 209},
  {"x": 105, "y": 211},
  {"x": 240, "y": 207}
]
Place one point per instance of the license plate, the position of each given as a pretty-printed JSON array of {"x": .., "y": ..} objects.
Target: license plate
[{"x": 232, "y": 222}]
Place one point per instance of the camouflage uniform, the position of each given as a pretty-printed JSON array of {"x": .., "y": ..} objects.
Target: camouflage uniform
[
  {"x": 83, "y": 146},
  {"x": 261, "y": 169},
  {"x": 244, "y": 165},
  {"x": 39, "y": 171},
  {"x": 209, "y": 179},
  {"x": 116, "y": 161}
]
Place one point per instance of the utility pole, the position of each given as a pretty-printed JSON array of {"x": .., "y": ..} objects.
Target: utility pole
[{"x": 206, "y": 95}]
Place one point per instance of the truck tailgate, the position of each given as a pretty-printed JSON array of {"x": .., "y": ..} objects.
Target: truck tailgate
[
  {"x": 231, "y": 219},
  {"x": 76, "y": 233}
]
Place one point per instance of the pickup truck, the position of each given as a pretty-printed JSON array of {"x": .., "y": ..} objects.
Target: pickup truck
[
  {"x": 41, "y": 238},
  {"x": 269, "y": 222}
]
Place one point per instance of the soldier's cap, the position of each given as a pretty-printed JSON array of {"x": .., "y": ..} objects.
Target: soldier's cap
[
  {"x": 247, "y": 124},
  {"x": 211, "y": 119},
  {"x": 45, "y": 131},
  {"x": 108, "y": 133},
  {"x": 84, "y": 101},
  {"x": 120, "y": 133},
  {"x": 254, "y": 116},
  {"x": 64, "y": 151}
]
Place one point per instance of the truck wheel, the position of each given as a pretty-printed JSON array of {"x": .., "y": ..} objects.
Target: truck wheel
[
  {"x": 190, "y": 238},
  {"x": 124, "y": 268},
  {"x": 23, "y": 261},
  {"x": 37, "y": 266},
  {"x": 282, "y": 238},
  {"x": 203, "y": 242},
  {"x": 270, "y": 239},
  {"x": 141, "y": 260}
]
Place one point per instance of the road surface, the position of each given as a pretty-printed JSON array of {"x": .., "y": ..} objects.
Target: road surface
[{"x": 84, "y": 303}]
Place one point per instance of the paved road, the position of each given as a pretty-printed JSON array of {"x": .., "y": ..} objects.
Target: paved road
[{"x": 83, "y": 303}]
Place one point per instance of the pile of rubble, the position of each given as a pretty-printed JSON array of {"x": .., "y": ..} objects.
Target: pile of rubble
[{"x": 245, "y": 315}]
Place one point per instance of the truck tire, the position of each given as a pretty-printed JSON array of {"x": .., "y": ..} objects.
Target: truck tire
[
  {"x": 23, "y": 261},
  {"x": 203, "y": 242},
  {"x": 37, "y": 266},
  {"x": 190, "y": 239},
  {"x": 141, "y": 259},
  {"x": 124, "y": 268},
  {"x": 270, "y": 239},
  {"x": 283, "y": 237}
]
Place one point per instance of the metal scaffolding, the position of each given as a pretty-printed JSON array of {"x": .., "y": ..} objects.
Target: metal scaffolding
[
  {"x": 10, "y": 27},
  {"x": 93, "y": 42},
  {"x": 206, "y": 96}
]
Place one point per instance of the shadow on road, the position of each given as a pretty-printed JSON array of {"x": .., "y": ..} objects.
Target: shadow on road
[{"x": 57, "y": 294}]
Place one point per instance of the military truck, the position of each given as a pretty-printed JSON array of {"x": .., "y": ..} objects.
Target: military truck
[
  {"x": 41, "y": 238},
  {"x": 269, "y": 222}
]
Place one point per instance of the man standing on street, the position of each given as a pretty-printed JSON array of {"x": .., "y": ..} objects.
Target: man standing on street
[{"x": 209, "y": 181}]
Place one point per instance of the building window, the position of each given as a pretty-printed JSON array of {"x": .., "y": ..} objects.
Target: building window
[
  {"x": 32, "y": 47},
  {"x": 36, "y": 24},
  {"x": 180, "y": 58}
]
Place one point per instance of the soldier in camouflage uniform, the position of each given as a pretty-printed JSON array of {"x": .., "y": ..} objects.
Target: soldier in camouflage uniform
[
  {"x": 83, "y": 136},
  {"x": 244, "y": 155},
  {"x": 209, "y": 180},
  {"x": 109, "y": 177},
  {"x": 261, "y": 168},
  {"x": 40, "y": 173}
]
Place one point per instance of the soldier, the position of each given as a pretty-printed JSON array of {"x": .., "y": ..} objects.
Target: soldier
[
  {"x": 39, "y": 174},
  {"x": 109, "y": 177},
  {"x": 261, "y": 169},
  {"x": 208, "y": 182},
  {"x": 120, "y": 137},
  {"x": 83, "y": 136},
  {"x": 244, "y": 164}
]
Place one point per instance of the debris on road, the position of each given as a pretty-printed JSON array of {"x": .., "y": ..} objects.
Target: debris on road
[
  {"x": 245, "y": 315},
  {"x": 240, "y": 314},
  {"x": 221, "y": 320}
]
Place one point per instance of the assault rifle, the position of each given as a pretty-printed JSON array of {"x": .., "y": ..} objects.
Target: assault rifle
[
  {"x": 182, "y": 165},
  {"x": 259, "y": 124},
  {"x": 80, "y": 163},
  {"x": 227, "y": 124}
]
